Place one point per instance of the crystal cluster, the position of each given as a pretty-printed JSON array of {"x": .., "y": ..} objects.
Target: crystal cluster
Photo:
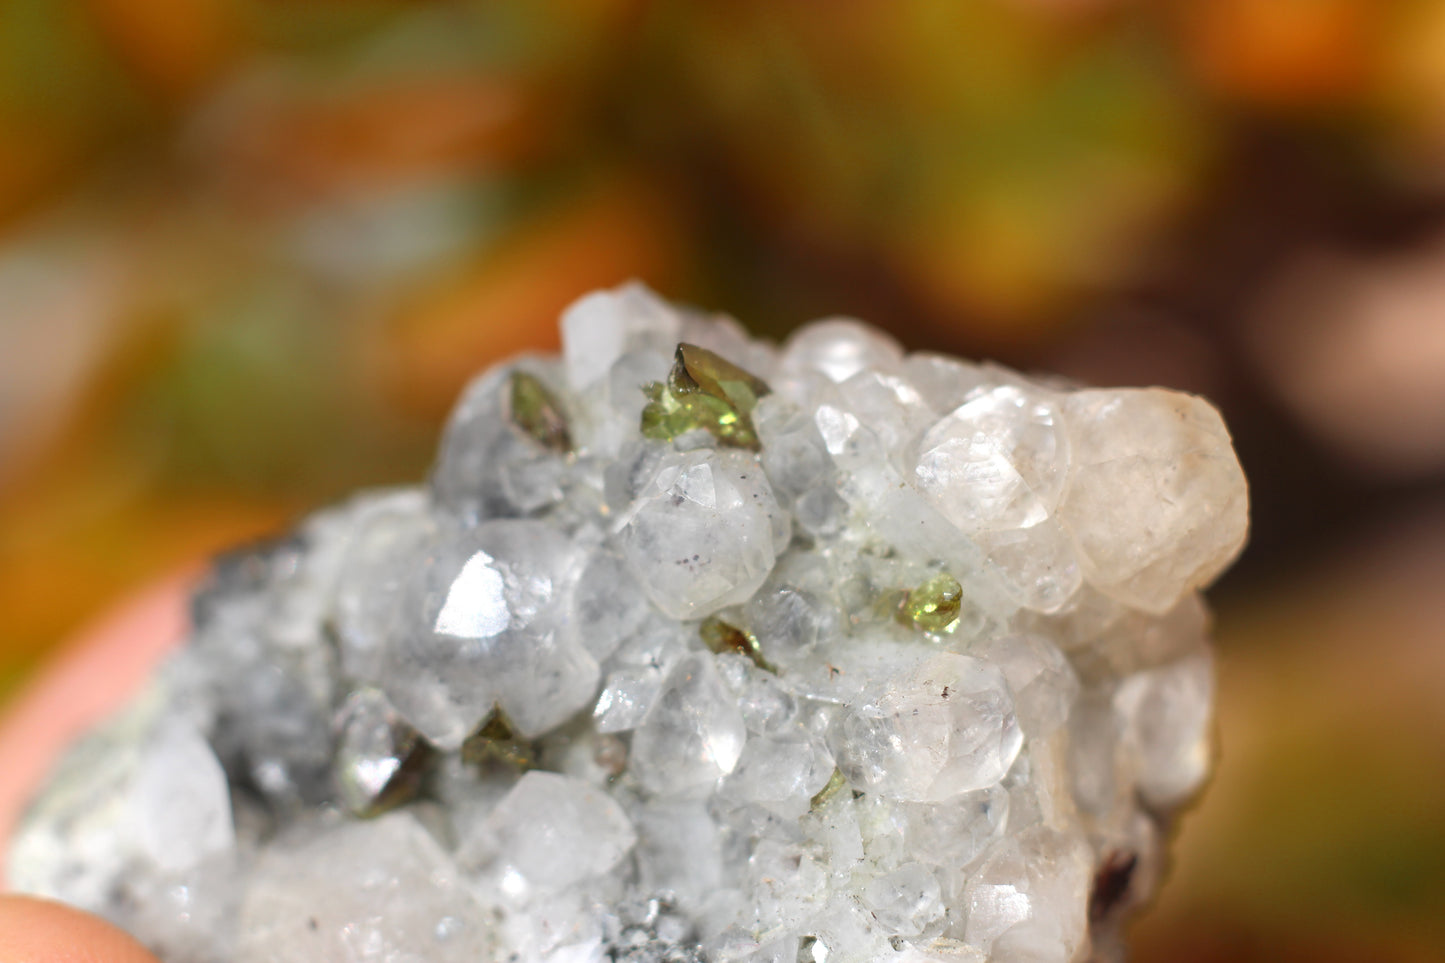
[{"x": 694, "y": 648}]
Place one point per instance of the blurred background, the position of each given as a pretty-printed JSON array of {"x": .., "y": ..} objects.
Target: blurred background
[{"x": 250, "y": 250}]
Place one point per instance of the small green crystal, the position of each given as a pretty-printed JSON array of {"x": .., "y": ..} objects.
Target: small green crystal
[
  {"x": 495, "y": 743},
  {"x": 537, "y": 413},
  {"x": 704, "y": 390},
  {"x": 719, "y": 377},
  {"x": 835, "y": 785},
  {"x": 415, "y": 759},
  {"x": 720, "y": 636},
  {"x": 935, "y": 605},
  {"x": 664, "y": 417}
]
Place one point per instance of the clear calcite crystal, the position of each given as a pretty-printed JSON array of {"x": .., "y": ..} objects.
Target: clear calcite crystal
[{"x": 693, "y": 649}]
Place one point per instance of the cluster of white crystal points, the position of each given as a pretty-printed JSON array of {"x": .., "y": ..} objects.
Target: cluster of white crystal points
[{"x": 694, "y": 649}]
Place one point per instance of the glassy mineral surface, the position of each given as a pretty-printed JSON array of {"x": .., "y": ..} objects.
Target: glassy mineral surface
[{"x": 693, "y": 648}]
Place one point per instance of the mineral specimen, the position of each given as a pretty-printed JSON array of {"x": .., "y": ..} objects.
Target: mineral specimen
[{"x": 693, "y": 649}]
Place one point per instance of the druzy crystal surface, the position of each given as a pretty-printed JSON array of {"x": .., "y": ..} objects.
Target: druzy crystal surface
[{"x": 694, "y": 648}]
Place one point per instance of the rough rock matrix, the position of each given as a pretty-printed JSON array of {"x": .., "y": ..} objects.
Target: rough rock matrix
[{"x": 693, "y": 649}]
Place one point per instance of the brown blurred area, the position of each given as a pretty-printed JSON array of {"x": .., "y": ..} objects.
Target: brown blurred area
[{"x": 250, "y": 250}]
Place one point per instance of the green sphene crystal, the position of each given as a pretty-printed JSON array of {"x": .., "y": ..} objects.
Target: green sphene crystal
[
  {"x": 495, "y": 743},
  {"x": 415, "y": 759},
  {"x": 720, "y": 636},
  {"x": 935, "y": 605},
  {"x": 536, "y": 412},
  {"x": 704, "y": 390},
  {"x": 835, "y": 785}
]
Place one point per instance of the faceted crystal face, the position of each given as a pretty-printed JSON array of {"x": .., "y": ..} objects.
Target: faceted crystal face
[
  {"x": 692, "y": 736},
  {"x": 602, "y": 327},
  {"x": 380, "y": 557},
  {"x": 996, "y": 462},
  {"x": 701, "y": 533},
  {"x": 1024, "y": 900},
  {"x": 838, "y": 348},
  {"x": 947, "y": 727},
  {"x": 380, "y": 890},
  {"x": 935, "y": 605},
  {"x": 504, "y": 448},
  {"x": 692, "y": 650},
  {"x": 1157, "y": 506},
  {"x": 491, "y": 610},
  {"x": 550, "y": 832},
  {"x": 379, "y": 756}
]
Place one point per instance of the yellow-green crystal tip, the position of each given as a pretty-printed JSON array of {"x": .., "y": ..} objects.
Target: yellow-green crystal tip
[
  {"x": 538, "y": 414},
  {"x": 935, "y": 605},
  {"x": 720, "y": 636},
  {"x": 704, "y": 390}
]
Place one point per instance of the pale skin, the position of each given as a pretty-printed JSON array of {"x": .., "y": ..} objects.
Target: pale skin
[{"x": 90, "y": 680}]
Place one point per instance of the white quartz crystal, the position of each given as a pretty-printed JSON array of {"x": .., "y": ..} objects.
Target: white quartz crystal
[
  {"x": 490, "y": 633},
  {"x": 702, "y": 531},
  {"x": 1028, "y": 901},
  {"x": 693, "y": 649},
  {"x": 997, "y": 461},
  {"x": 944, "y": 728},
  {"x": 382, "y": 890},
  {"x": 693, "y": 734},
  {"x": 1157, "y": 504},
  {"x": 603, "y": 326},
  {"x": 180, "y": 804},
  {"x": 549, "y": 832}
]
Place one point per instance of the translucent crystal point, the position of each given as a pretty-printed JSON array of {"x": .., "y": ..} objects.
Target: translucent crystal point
[
  {"x": 600, "y": 328},
  {"x": 492, "y": 606},
  {"x": 694, "y": 734},
  {"x": 998, "y": 461},
  {"x": 838, "y": 348},
  {"x": 1157, "y": 505},
  {"x": 944, "y": 728},
  {"x": 380, "y": 759},
  {"x": 702, "y": 532},
  {"x": 1027, "y": 902},
  {"x": 549, "y": 832}
]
